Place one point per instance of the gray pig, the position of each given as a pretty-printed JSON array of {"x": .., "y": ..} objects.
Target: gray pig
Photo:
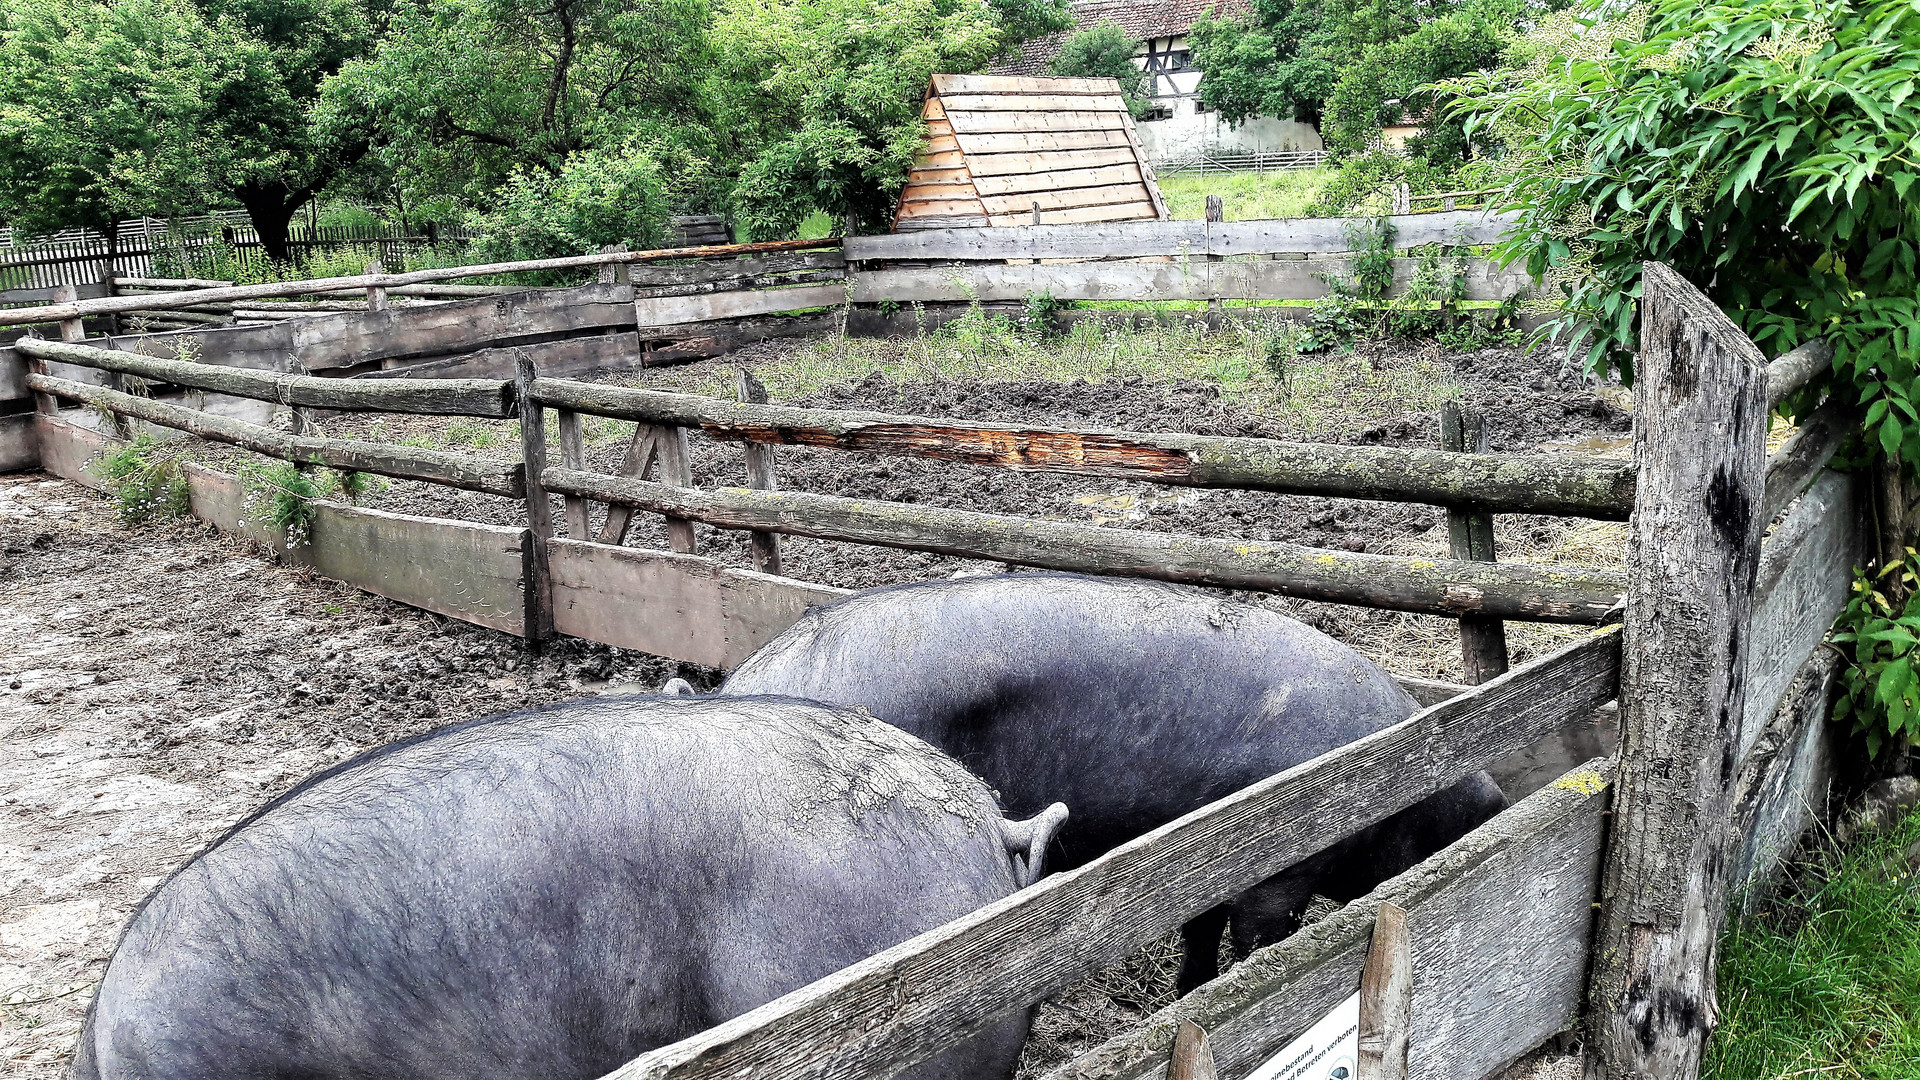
[
  {"x": 547, "y": 894},
  {"x": 1134, "y": 701}
]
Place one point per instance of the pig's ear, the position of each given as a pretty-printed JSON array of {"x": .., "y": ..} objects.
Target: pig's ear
[
  {"x": 677, "y": 688},
  {"x": 1027, "y": 842}
]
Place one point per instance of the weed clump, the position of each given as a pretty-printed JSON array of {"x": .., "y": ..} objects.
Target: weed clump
[
  {"x": 281, "y": 496},
  {"x": 145, "y": 487}
]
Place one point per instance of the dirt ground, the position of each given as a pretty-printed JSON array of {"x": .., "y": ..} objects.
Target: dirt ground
[{"x": 156, "y": 685}]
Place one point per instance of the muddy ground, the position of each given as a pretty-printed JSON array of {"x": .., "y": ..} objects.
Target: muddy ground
[{"x": 157, "y": 684}]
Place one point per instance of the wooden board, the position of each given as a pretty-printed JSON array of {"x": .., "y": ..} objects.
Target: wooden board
[
  {"x": 682, "y": 606},
  {"x": 568, "y": 358},
  {"x": 1042, "y": 103},
  {"x": 988, "y": 123},
  {"x": 881, "y": 1014},
  {"x": 19, "y": 442},
  {"x": 1031, "y": 142},
  {"x": 656, "y": 312},
  {"x": 1059, "y": 179},
  {"x": 948, "y": 159},
  {"x": 1018, "y": 167},
  {"x": 13, "y": 369},
  {"x": 1083, "y": 215},
  {"x": 1784, "y": 783},
  {"x": 1184, "y": 279},
  {"x": 945, "y": 144},
  {"x": 455, "y": 568},
  {"x": 262, "y": 348},
  {"x": 356, "y": 338},
  {"x": 1020, "y": 84},
  {"x": 725, "y": 271},
  {"x": 926, "y": 189},
  {"x": 1498, "y": 927},
  {"x": 927, "y": 176},
  {"x": 1806, "y": 572},
  {"x": 1151, "y": 238},
  {"x": 941, "y": 208},
  {"x": 1113, "y": 196}
]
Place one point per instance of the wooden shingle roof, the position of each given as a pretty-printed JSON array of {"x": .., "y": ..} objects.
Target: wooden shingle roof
[{"x": 998, "y": 145}]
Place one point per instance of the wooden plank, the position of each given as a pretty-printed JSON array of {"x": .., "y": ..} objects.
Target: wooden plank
[
  {"x": 939, "y": 128},
  {"x": 760, "y": 475},
  {"x": 920, "y": 189},
  {"x": 670, "y": 310},
  {"x": 446, "y": 397},
  {"x": 1126, "y": 173},
  {"x": 1109, "y": 196},
  {"x": 724, "y": 271},
  {"x": 1026, "y": 142},
  {"x": 1505, "y": 483},
  {"x": 355, "y": 455},
  {"x": 1483, "y": 642},
  {"x": 948, "y": 159},
  {"x": 258, "y": 348},
  {"x": 1023, "y": 166},
  {"x": 1386, "y": 998},
  {"x": 941, "y": 208},
  {"x": 13, "y": 375},
  {"x": 537, "y": 566},
  {"x": 941, "y": 146},
  {"x": 351, "y": 339},
  {"x": 1082, "y": 215},
  {"x": 932, "y": 109},
  {"x": 573, "y": 454},
  {"x": 568, "y": 358},
  {"x": 925, "y": 177},
  {"x": 1793, "y": 468},
  {"x": 990, "y": 123},
  {"x": 1148, "y": 281},
  {"x": 459, "y": 569},
  {"x": 1053, "y": 104},
  {"x": 19, "y": 442},
  {"x": 1507, "y": 590},
  {"x": 1805, "y": 577},
  {"x": 945, "y": 85},
  {"x": 682, "y": 606},
  {"x": 1498, "y": 934},
  {"x": 1151, "y": 238},
  {"x": 1785, "y": 781},
  {"x": 1700, "y": 434},
  {"x": 881, "y": 1014}
]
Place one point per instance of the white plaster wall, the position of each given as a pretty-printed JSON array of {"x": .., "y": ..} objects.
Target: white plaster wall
[{"x": 1190, "y": 132}]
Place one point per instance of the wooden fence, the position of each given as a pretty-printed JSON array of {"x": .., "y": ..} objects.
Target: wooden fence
[
  {"x": 1740, "y": 563},
  {"x": 81, "y": 257}
]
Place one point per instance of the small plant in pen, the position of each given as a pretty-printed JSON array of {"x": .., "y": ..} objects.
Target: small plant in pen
[
  {"x": 145, "y": 485},
  {"x": 282, "y": 496}
]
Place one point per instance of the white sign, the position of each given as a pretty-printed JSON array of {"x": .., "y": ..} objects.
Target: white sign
[{"x": 1327, "y": 1051}]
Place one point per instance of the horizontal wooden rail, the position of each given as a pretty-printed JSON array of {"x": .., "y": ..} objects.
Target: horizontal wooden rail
[
  {"x": 1504, "y": 483},
  {"x": 877, "y": 1016},
  {"x": 1141, "y": 239},
  {"x": 108, "y": 305},
  {"x": 1430, "y": 586},
  {"x": 353, "y": 455},
  {"x": 1803, "y": 457},
  {"x": 437, "y": 397},
  {"x": 1181, "y": 279},
  {"x": 1793, "y": 370}
]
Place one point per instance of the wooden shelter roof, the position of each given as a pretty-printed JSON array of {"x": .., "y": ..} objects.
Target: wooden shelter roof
[{"x": 1000, "y": 144}]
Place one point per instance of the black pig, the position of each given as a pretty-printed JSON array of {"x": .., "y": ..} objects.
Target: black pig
[
  {"x": 1134, "y": 701},
  {"x": 548, "y": 894}
]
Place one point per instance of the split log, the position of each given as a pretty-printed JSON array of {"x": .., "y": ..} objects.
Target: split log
[
  {"x": 1793, "y": 370},
  {"x": 440, "y": 397},
  {"x": 352, "y": 455},
  {"x": 533, "y": 452},
  {"x": 1700, "y": 434},
  {"x": 1505, "y": 483},
  {"x": 1435, "y": 587},
  {"x": 877, "y": 1016}
]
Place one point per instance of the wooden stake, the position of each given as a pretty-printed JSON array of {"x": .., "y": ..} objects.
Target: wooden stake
[
  {"x": 1191, "y": 1059},
  {"x": 642, "y": 452},
  {"x": 376, "y": 294},
  {"x": 538, "y": 575},
  {"x": 760, "y": 477},
  {"x": 1216, "y": 214},
  {"x": 1700, "y": 433},
  {"x": 1386, "y": 999},
  {"x": 676, "y": 468},
  {"x": 573, "y": 454},
  {"x": 1483, "y": 642}
]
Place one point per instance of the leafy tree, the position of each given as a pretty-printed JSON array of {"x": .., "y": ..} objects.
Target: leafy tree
[
  {"x": 1105, "y": 52},
  {"x": 599, "y": 197},
  {"x": 99, "y": 107},
  {"x": 1285, "y": 57},
  {"x": 827, "y": 94},
  {"x": 1766, "y": 151},
  {"x": 1391, "y": 84},
  {"x": 463, "y": 95}
]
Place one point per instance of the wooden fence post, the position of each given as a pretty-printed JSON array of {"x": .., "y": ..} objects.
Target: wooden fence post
[
  {"x": 376, "y": 294},
  {"x": 1700, "y": 426},
  {"x": 614, "y": 273},
  {"x": 1483, "y": 642},
  {"x": 1216, "y": 214},
  {"x": 1191, "y": 1058},
  {"x": 766, "y": 545},
  {"x": 573, "y": 454},
  {"x": 537, "y": 574},
  {"x": 1386, "y": 999}
]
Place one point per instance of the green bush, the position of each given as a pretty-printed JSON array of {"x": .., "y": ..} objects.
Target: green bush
[
  {"x": 1766, "y": 151},
  {"x": 1105, "y": 52},
  {"x": 145, "y": 486},
  {"x": 597, "y": 198}
]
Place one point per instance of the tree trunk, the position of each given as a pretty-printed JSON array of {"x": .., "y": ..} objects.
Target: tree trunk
[{"x": 271, "y": 208}]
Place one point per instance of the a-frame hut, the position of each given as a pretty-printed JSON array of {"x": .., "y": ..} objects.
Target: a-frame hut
[{"x": 999, "y": 145}]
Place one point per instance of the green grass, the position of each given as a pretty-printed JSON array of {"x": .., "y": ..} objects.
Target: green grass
[
  {"x": 1828, "y": 987},
  {"x": 1248, "y": 195}
]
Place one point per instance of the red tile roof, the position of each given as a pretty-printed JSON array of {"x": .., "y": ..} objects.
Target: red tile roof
[{"x": 1141, "y": 19}]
